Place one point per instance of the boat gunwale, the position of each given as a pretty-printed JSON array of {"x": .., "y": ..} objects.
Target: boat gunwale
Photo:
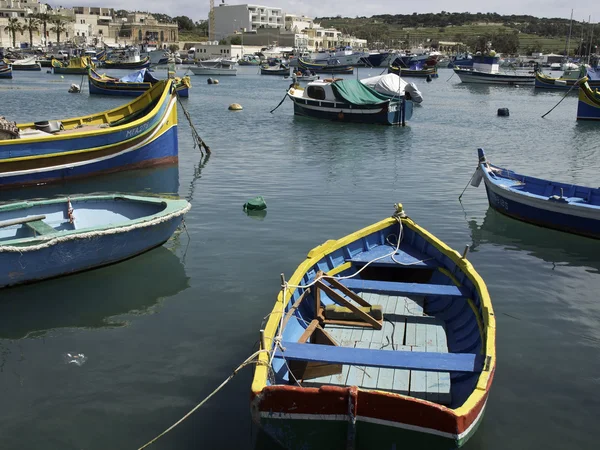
[
  {"x": 480, "y": 390},
  {"x": 166, "y": 86},
  {"x": 171, "y": 206}
]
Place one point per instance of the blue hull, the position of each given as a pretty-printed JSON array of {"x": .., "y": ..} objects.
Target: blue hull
[
  {"x": 82, "y": 254},
  {"x": 185, "y": 92},
  {"x": 542, "y": 217},
  {"x": 162, "y": 150},
  {"x": 375, "y": 60},
  {"x": 97, "y": 90},
  {"x": 587, "y": 112}
]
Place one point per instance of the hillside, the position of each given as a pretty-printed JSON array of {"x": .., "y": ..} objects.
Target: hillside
[{"x": 530, "y": 33}]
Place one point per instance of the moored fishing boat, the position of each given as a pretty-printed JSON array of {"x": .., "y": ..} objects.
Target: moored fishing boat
[
  {"x": 280, "y": 70},
  {"x": 349, "y": 101},
  {"x": 139, "y": 134},
  {"x": 5, "y": 70},
  {"x": 127, "y": 64},
  {"x": 48, "y": 238},
  {"x": 566, "y": 207},
  {"x": 486, "y": 70},
  {"x": 568, "y": 80},
  {"x": 331, "y": 66},
  {"x": 29, "y": 64},
  {"x": 384, "y": 338},
  {"x": 416, "y": 70},
  {"x": 132, "y": 85},
  {"x": 588, "y": 106},
  {"x": 219, "y": 68},
  {"x": 75, "y": 66}
]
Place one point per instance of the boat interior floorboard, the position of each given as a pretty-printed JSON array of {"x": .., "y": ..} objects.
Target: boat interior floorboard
[{"x": 405, "y": 328}]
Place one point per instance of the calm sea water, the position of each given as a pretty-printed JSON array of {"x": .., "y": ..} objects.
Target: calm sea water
[{"x": 161, "y": 331}]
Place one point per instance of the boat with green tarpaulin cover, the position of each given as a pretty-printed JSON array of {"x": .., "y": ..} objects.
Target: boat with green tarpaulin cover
[{"x": 349, "y": 101}]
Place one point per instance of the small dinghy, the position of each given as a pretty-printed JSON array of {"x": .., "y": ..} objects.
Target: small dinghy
[
  {"x": 379, "y": 339},
  {"x": 566, "y": 207},
  {"x": 50, "y": 238}
]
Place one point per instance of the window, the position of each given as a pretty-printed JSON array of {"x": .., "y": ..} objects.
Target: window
[{"x": 316, "y": 92}]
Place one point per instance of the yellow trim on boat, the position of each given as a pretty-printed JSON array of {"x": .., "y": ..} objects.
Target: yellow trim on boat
[
  {"x": 339, "y": 269},
  {"x": 259, "y": 381},
  {"x": 139, "y": 103}
]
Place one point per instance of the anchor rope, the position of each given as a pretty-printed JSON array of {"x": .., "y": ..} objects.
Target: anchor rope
[
  {"x": 195, "y": 135},
  {"x": 250, "y": 360}
]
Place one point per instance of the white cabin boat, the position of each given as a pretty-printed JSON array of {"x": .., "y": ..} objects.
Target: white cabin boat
[
  {"x": 219, "y": 68},
  {"x": 486, "y": 70}
]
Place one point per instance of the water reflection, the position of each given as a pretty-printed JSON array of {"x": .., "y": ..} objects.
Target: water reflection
[
  {"x": 548, "y": 245},
  {"x": 90, "y": 299},
  {"x": 157, "y": 180}
]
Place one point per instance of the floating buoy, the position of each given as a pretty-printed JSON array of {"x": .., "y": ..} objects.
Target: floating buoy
[
  {"x": 235, "y": 107},
  {"x": 428, "y": 79},
  {"x": 503, "y": 112},
  {"x": 48, "y": 71},
  {"x": 62, "y": 76},
  {"x": 210, "y": 81},
  {"x": 74, "y": 89},
  {"x": 255, "y": 204}
]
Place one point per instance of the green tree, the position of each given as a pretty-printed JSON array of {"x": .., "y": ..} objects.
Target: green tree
[
  {"x": 44, "y": 20},
  {"x": 13, "y": 28},
  {"x": 235, "y": 40},
  {"x": 184, "y": 23},
  {"x": 60, "y": 26},
  {"x": 31, "y": 24},
  {"x": 173, "y": 48}
]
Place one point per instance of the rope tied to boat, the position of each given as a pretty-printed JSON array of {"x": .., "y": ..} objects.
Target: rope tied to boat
[
  {"x": 252, "y": 359},
  {"x": 281, "y": 102},
  {"x": 564, "y": 96},
  {"x": 92, "y": 234},
  {"x": 198, "y": 142}
]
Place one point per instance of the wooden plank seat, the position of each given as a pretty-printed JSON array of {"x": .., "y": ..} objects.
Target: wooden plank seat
[
  {"x": 427, "y": 361},
  {"x": 405, "y": 256},
  {"x": 40, "y": 227},
  {"x": 397, "y": 288}
]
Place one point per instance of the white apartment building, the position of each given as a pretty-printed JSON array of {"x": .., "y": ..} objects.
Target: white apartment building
[
  {"x": 231, "y": 18},
  {"x": 297, "y": 23}
]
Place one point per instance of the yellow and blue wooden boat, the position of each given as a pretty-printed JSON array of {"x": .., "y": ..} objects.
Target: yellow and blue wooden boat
[
  {"x": 132, "y": 85},
  {"x": 48, "y": 238},
  {"x": 384, "y": 338},
  {"x": 141, "y": 133},
  {"x": 588, "y": 106},
  {"x": 75, "y": 66}
]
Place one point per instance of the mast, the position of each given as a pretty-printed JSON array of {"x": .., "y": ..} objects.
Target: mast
[
  {"x": 569, "y": 37},
  {"x": 591, "y": 35}
]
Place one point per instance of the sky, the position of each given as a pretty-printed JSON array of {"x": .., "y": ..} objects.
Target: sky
[{"x": 198, "y": 9}]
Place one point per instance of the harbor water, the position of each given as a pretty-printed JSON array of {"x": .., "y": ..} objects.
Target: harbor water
[{"x": 160, "y": 331}]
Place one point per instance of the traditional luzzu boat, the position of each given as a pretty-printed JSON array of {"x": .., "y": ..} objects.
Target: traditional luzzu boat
[
  {"x": 29, "y": 64},
  {"x": 566, "y": 207},
  {"x": 49, "y": 238},
  {"x": 486, "y": 70},
  {"x": 349, "y": 101},
  {"x": 384, "y": 338},
  {"x": 132, "y": 85},
  {"x": 569, "y": 80},
  {"x": 141, "y": 133},
  {"x": 75, "y": 66},
  {"x": 127, "y": 64},
  {"x": 588, "y": 106},
  {"x": 331, "y": 66},
  {"x": 221, "y": 68}
]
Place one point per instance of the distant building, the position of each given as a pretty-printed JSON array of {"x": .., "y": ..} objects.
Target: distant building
[{"x": 231, "y": 18}]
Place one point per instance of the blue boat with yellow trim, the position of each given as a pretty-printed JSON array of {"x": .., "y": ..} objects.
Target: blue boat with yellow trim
[
  {"x": 141, "y": 133},
  {"x": 48, "y": 238},
  {"x": 382, "y": 339},
  {"x": 75, "y": 66},
  {"x": 568, "y": 80},
  {"x": 561, "y": 206},
  {"x": 132, "y": 85},
  {"x": 349, "y": 101},
  {"x": 588, "y": 106}
]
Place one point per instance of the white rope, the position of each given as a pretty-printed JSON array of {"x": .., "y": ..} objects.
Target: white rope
[
  {"x": 93, "y": 234},
  {"x": 249, "y": 360}
]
